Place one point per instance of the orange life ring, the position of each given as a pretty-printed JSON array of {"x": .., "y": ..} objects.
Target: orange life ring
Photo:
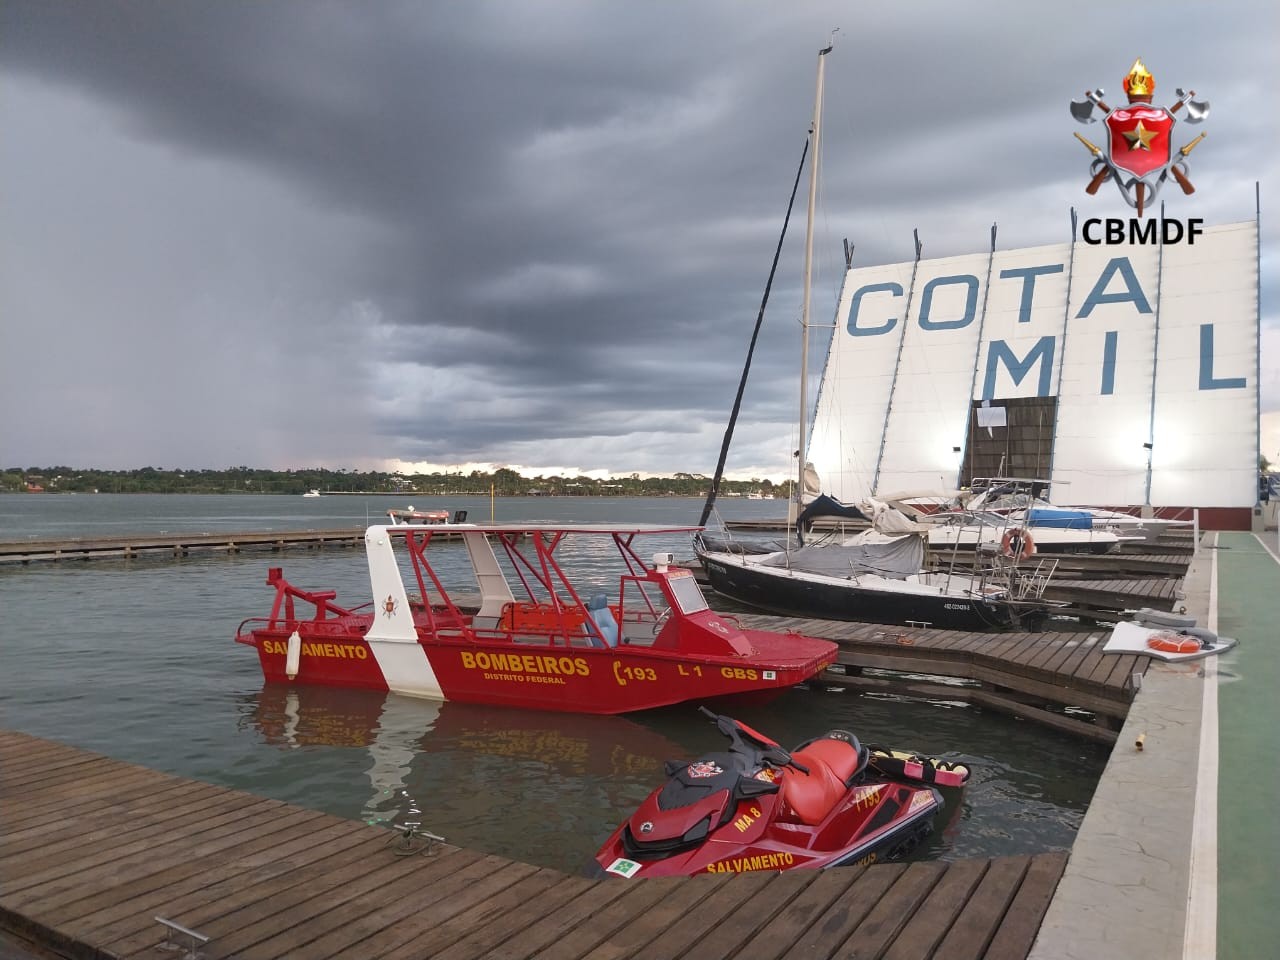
[
  {"x": 1017, "y": 542},
  {"x": 1174, "y": 643}
]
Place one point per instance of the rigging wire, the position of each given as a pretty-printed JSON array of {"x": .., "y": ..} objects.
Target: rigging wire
[{"x": 755, "y": 334}]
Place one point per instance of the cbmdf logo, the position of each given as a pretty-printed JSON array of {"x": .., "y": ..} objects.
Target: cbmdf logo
[{"x": 1139, "y": 154}]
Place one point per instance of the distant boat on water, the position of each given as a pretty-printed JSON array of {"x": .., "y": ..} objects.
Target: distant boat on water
[{"x": 312, "y": 493}]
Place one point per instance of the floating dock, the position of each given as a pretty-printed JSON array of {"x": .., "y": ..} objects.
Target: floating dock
[
  {"x": 1060, "y": 680},
  {"x": 172, "y": 544},
  {"x": 95, "y": 850}
]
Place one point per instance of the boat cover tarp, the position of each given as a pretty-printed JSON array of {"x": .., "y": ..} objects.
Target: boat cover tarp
[
  {"x": 1060, "y": 518},
  {"x": 896, "y": 559},
  {"x": 825, "y": 506}
]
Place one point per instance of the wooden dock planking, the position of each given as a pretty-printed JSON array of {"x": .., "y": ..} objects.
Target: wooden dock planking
[
  {"x": 926, "y": 928},
  {"x": 876, "y": 928},
  {"x": 686, "y": 935},
  {"x": 139, "y": 545},
  {"x": 1116, "y": 595},
  {"x": 584, "y": 939},
  {"x": 164, "y": 886},
  {"x": 684, "y": 897},
  {"x": 1067, "y": 649},
  {"x": 147, "y": 815},
  {"x": 54, "y": 879},
  {"x": 307, "y": 883},
  {"x": 282, "y": 929},
  {"x": 274, "y": 881},
  {"x": 986, "y": 909},
  {"x": 552, "y": 927},
  {"x": 1091, "y": 644},
  {"x": 284, "y": 898},
  {"x": 1017, "y": 931},
  {"x": 747, "y": 920},
  {"x": 821, "y": 905},
  {"x": 468, "y": 912},
  {"x": 1063, "y": 669},
  {"x": 565, "y": 893},
  {"x": 228, "y": 887},
  {"x": 41, "y": 826},
  {"x": 173, "y": 805}
]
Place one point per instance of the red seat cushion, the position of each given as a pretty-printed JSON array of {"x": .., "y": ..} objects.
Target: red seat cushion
[
  {"x": 838, "y": 755},
  {"x": 810, "y": 797}
]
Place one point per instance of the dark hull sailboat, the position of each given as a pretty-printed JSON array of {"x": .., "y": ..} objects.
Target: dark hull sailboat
[{"x": 918, "y": 599}]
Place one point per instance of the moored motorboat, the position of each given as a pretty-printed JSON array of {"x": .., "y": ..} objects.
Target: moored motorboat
[
  {"x": 758, "y": 807},
  {"x": 410, "y": 515},
  {"x": 985, "y": 530},
  {"x": 1015, "y": 501},
  {"x": 553, "y": 647}
]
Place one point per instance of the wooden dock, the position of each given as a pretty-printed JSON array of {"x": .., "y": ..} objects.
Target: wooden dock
[
  {"x": 173, "y": 544},
  {"x": 93, "y": 850},
  {"x": 1062, "y": 680}
]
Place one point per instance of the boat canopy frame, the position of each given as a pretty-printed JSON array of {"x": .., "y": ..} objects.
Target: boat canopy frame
[{"x": 541, "y": 570}]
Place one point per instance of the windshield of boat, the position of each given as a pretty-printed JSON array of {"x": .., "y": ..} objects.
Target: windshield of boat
[{"x": 687, "y": 594}]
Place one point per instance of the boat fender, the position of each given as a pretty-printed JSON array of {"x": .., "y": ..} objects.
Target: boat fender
[
  {"x": 293, "y": 655},
  {"x": 1169, "y": 642},
  {"x": 1161, "y": 618},
  {"x": 1018, "y": 543}
]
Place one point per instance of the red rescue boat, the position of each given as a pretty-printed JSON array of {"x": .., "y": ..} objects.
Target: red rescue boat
[{"x": 534, "y": 640}]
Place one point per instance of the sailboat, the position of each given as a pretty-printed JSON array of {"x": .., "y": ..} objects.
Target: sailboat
[{"x": 879, "y": 575}]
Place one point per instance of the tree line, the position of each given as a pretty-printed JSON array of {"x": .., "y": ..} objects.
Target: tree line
[{"x": 248, "y": 480}]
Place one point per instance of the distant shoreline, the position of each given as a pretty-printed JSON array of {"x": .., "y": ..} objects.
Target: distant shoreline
[{"x": 381, "y": 493}]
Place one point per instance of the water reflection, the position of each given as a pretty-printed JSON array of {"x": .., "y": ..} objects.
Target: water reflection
[
  {"x": 547, "y": 788},
  {"x": 541, "y": 787}
]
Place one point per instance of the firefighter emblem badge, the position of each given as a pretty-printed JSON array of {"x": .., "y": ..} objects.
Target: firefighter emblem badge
[{"x": 1139, "y": 154}]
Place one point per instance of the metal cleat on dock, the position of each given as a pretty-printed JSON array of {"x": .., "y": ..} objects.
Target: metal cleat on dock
[
  {"x": 411, "y": 839},
  {"x": 190, "y": 949}
]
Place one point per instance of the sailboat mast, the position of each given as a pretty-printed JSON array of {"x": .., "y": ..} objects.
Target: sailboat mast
[{"x": 815, "y": 153}]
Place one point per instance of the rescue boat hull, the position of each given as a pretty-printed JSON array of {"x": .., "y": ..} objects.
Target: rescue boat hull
[{"x": 543, "y": 677}]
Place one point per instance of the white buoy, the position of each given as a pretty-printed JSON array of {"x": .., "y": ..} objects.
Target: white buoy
[{"x": 293, "y": 656}]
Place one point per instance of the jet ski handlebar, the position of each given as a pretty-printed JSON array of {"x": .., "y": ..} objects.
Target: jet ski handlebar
[{"x": 744, "y": 740}]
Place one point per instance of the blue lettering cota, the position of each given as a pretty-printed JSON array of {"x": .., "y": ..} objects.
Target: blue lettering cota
[
  {"x": 1207, "y": 379},
  {"x": 1000, "y": 352},
  {"x": 889, "y": 324},
  {"x": 1131, "y": 294},
  {"x": 1028, "y": 275},
  {"x": 970, "y": 302}
]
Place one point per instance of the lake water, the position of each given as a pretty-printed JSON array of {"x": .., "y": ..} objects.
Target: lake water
[{"x": 135, "y": 659}]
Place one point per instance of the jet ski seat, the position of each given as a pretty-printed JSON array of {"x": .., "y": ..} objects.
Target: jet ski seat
[{"x": 832, "y": 765}]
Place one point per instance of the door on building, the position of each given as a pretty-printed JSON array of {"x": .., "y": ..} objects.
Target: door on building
[{"x": 1010, "y": 438}]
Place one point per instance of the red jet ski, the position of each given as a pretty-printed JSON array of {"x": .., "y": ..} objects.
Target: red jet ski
[{"x": 757, "y": 806}]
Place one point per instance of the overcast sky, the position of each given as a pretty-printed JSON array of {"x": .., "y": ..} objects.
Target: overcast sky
[{"x": 530, "y": 233}]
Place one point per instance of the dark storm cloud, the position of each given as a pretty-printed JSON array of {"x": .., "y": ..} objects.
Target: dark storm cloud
[{"x": 507, "y": 228}]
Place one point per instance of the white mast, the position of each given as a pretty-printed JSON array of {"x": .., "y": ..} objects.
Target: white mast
[{"x": 815, "y": 152}]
